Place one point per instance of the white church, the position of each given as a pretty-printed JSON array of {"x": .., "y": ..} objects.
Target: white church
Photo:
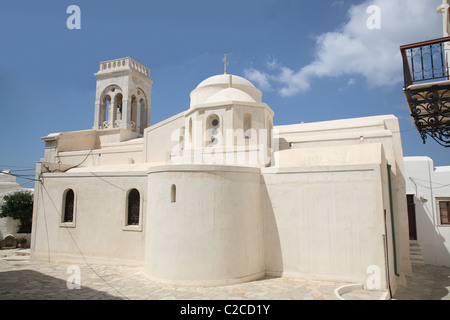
[{"x": 218, "y": 194}]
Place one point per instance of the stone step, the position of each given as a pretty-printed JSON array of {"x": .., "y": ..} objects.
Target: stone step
[
  {"x": 416, "y": 257},
  {"x": 415, "y": 250},
  {"x": 23, "y": 252},
  {"x": 416, "y": 254},
  {"x": 417, "y": 263},
  {"x": 414, "y": 243}
]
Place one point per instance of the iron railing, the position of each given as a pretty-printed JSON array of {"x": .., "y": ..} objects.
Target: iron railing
[{"x": 427, "y": 60}]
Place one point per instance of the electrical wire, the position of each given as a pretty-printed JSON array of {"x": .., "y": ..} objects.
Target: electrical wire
[
  {"x": 76, "y": 166},
  {"x": 78, "y": 247},
  {"x": 13, "y": 166},
  {"x": 406, "y": 130},
  {"x": 427, "y": 181},
  {"x": 27, "y": 177}
]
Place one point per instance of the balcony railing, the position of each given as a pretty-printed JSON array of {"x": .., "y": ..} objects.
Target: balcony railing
[
  {"x": 123, "y": 64},
  {"x": 426, "y": 69},
  {"x": 427, "y": 60}
]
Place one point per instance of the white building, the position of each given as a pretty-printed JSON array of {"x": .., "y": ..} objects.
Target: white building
[
  {"x": 428, "y": 192},
  {"x": 218, "y": 195},
  {"x": 9, "y": 227}
]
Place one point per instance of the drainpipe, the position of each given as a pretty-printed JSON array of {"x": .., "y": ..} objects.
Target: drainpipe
[
  {"x": 387, "y": 255},
  {"x": 392, "y": 220}
]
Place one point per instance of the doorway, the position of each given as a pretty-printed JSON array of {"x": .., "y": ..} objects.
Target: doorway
[{"x": 411, "y": 217}]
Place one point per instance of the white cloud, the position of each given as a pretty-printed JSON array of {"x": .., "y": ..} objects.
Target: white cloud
[
  {"x": 259, "y": 77},
  {"x": 356, "y": 49}
]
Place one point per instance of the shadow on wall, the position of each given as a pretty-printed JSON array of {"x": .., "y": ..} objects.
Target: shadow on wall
[
  {"x": 432, "y": 243},
  {"x": 33, "y": 285},
  {"x": 272, "y": 245}
]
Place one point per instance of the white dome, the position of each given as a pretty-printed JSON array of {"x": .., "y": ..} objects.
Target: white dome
[
  {"x": 230, "y": 94},
  {"x": 225, "y": 79},
  {"x": 223, "y": 88}
]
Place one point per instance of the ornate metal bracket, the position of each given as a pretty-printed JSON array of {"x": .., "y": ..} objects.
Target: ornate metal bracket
[{"x": 430, "y": 110}]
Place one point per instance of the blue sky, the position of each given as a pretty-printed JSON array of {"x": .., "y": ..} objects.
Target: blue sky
[{"x": 313, "y": 60}]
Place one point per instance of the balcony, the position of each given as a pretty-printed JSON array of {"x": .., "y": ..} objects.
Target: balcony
[{"x": 427, "y": 87}]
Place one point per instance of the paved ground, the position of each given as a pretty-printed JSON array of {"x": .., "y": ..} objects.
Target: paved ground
[{"x": 22, "y": 279}]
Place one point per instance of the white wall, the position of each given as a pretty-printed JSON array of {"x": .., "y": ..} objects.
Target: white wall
[
  {"x": 99, "y": 232},
  {"x": 327, "y": 221},
  {"x": 213, "y": 233},
  {"x": 427, "y": 183},
  {"x": 161, "y": 138},
  {"x": 357, "y": 132}
]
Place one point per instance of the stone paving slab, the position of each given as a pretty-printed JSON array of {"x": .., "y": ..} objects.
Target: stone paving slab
[
  {"x": 21, "y": 279},
  {"x": 428, "y": 283}
]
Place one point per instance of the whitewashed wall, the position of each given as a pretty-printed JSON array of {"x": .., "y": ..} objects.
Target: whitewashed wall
[{"x": 427, "y": 183}]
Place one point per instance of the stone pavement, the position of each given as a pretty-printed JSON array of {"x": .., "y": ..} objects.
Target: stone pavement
[
  {"x": 427, "y": 283},
  {"x": 22, "y": 279}
]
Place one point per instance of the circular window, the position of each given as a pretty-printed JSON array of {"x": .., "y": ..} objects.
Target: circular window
[{"x": 215, "y": 122}]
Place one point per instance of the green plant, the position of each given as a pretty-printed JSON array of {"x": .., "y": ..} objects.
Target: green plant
[
  {"x": 22, "y": 240},
  {"x": 19, "y": 206}
]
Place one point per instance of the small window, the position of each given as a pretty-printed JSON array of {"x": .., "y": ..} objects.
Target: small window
[
  {"x": 213, "y": 120},
  {"x": 134, "y": 203},
  {"x": 212, "y": 129},
  {"x": 444, "y": 211},
  {"x": 69, "y": 199},
  {"x": 173, "y": 194}
]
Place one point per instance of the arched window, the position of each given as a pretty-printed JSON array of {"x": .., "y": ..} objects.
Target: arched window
[
  {"x": 134, "y": 203},
  {"x": 134, "y": 112},
  {"x": 173, "y": 194},
  {"x": 247, "y": 126},
  {"x": 118, "y": 102},
  {"x": 144, "y": 115},
  {"x": 107, "y": 107},
  {"x": 104, "y": 112},
  {"x": 69, "y": 202}
]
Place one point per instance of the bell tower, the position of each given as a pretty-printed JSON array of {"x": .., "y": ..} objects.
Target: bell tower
[{"x": 122, "y": 96}]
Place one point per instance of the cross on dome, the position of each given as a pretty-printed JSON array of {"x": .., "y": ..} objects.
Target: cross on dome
[{"x": 225, "y": 62}]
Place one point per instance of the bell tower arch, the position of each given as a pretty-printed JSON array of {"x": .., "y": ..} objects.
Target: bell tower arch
[{"x": 122, "y": 96}]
